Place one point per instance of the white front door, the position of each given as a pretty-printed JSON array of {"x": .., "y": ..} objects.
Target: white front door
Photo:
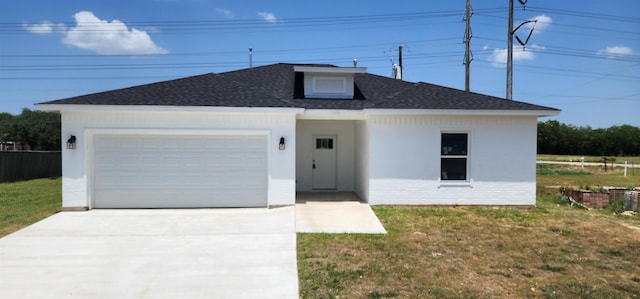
[{"x": 324, "y": 162}]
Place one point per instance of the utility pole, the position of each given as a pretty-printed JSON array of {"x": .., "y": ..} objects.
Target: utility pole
[
  {"x": 510, "y": 52},
  {"x": 511, "y": 33},
  {"x": 467, "y": 53},
  {"x": 400, "y": 61}
]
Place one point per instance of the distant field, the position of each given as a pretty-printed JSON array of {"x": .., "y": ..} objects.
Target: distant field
[
  {"x": 575, "y": 176},
  {"x": 570, "y": 158}
]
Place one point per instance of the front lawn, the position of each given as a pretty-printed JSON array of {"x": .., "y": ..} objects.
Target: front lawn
[
  {"x": 550, "y": 252},
  {"x": 553, "y": 251},
  {"x": 26, "y": 202}
]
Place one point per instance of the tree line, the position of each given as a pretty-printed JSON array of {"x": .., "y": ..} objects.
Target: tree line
[
  {"x": 39, "y": 129},
  {"x": 562, "y": 139}
]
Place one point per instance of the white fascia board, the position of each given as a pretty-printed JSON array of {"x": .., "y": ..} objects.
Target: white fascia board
[
  {"x": 538, "y": 113},
  {"x": 333, "y": 70},
  {"x": 331, "y": 114},
  {"x": 154, "y": 108}
]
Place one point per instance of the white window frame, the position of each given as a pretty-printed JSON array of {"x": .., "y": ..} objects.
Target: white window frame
[
  {"x": 318, "y": 91},
  {"x": 468, "y": 181}
]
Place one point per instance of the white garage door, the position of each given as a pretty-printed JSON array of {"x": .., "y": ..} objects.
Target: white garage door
[{"x": 179, "y": 171}]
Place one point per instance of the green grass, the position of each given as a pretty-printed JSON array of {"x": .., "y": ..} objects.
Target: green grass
[
  {"x": 553, "y": 251},
  {"x": 555, "y": 170},
  {"x": 26, "y": 202}
]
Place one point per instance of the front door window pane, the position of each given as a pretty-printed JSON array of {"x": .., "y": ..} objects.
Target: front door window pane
[{"x": 324, "y": 143}]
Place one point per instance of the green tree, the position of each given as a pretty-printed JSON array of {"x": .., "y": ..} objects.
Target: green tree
[
  {"x": 38, "y": 129},
  {"x": 6, "y": 122},
  {"x": 558, "y": 138},
  {"x": 625, "y": 140},
  {"x": 547, "y": 137}
]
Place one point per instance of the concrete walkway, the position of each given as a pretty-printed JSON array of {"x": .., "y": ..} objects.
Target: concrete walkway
[
  {"x": 335, "y": 212},
  {"x": 200, "y": 253}
]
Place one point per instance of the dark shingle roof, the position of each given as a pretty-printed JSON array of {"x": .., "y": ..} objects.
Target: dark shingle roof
[{"x": 277, "y": 85}]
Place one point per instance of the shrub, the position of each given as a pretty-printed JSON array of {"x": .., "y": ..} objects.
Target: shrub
[{"x": 616, "y": 206}]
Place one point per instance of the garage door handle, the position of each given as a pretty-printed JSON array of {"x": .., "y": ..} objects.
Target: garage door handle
[{"x": 314, "y": 164}]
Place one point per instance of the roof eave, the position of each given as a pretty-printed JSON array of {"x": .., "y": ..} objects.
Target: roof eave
[
  {"x": 300, "y": 111},
  {"x": 159, "y": 108},
  {"x": 538, "y": 113}
]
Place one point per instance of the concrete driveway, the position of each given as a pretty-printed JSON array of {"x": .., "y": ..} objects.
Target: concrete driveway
[{"x": 200, "y": 253}]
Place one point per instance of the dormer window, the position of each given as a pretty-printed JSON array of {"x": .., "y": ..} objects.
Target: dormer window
[
  {"x": 329, "y": 85},
  {"x": 326, "y": 82}
]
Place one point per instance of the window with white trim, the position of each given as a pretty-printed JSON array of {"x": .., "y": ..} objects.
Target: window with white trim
[
  {"x": 328, "y": 85},
  {"x": 454, "y": 154}
]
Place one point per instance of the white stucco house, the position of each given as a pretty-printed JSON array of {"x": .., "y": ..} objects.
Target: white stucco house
[{"x": 255, "y": 137}]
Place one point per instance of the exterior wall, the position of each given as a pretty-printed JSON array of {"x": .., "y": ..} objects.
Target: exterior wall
[
  {"x": 344, "y": 130},
  {"x": 384, "y": 159},
  {"x": 361, "y": 159},
  {"x": 77, "y": 165},
  {"x": 404, "y": 156}
]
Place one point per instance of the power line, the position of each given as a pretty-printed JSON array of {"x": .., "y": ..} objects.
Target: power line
[
  {"x": 573, "y": 26},
  {"x": 573, "y": 52},
  {"x": 417, "y": 58},
  {"x": 588, "y": 31},
  {"x": 585, "y": 14},
  {"x": 182, "y": 65},
  {"x": 604, "y": 76},
  {"x": 220, "y": 53},
  {"x": 205, "y": 25}
]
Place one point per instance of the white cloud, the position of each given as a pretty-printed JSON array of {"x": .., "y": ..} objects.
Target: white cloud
[
  {"x": 499, "y": 56},
  {"x": 542, "y": 24},
  {"x": 225, "y": 12},
  {"x": 536, "y": 47},
  {"x": 109, "y": 38},
  {"x": 616, "y": 51},
  {"x": 268, "y": 17},
  {"x": 45, "y": 27},
  {"x": 102, "y": 37}
]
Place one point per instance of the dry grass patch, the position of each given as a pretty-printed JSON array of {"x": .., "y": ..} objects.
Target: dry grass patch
[{"x": 549, "y": 252}]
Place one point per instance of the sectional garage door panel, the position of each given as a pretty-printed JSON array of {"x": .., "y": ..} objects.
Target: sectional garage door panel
[{"x": 179, "y": 171}]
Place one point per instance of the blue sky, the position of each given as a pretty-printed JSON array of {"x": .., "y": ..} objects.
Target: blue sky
[{"x": 583, "y": 56}]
